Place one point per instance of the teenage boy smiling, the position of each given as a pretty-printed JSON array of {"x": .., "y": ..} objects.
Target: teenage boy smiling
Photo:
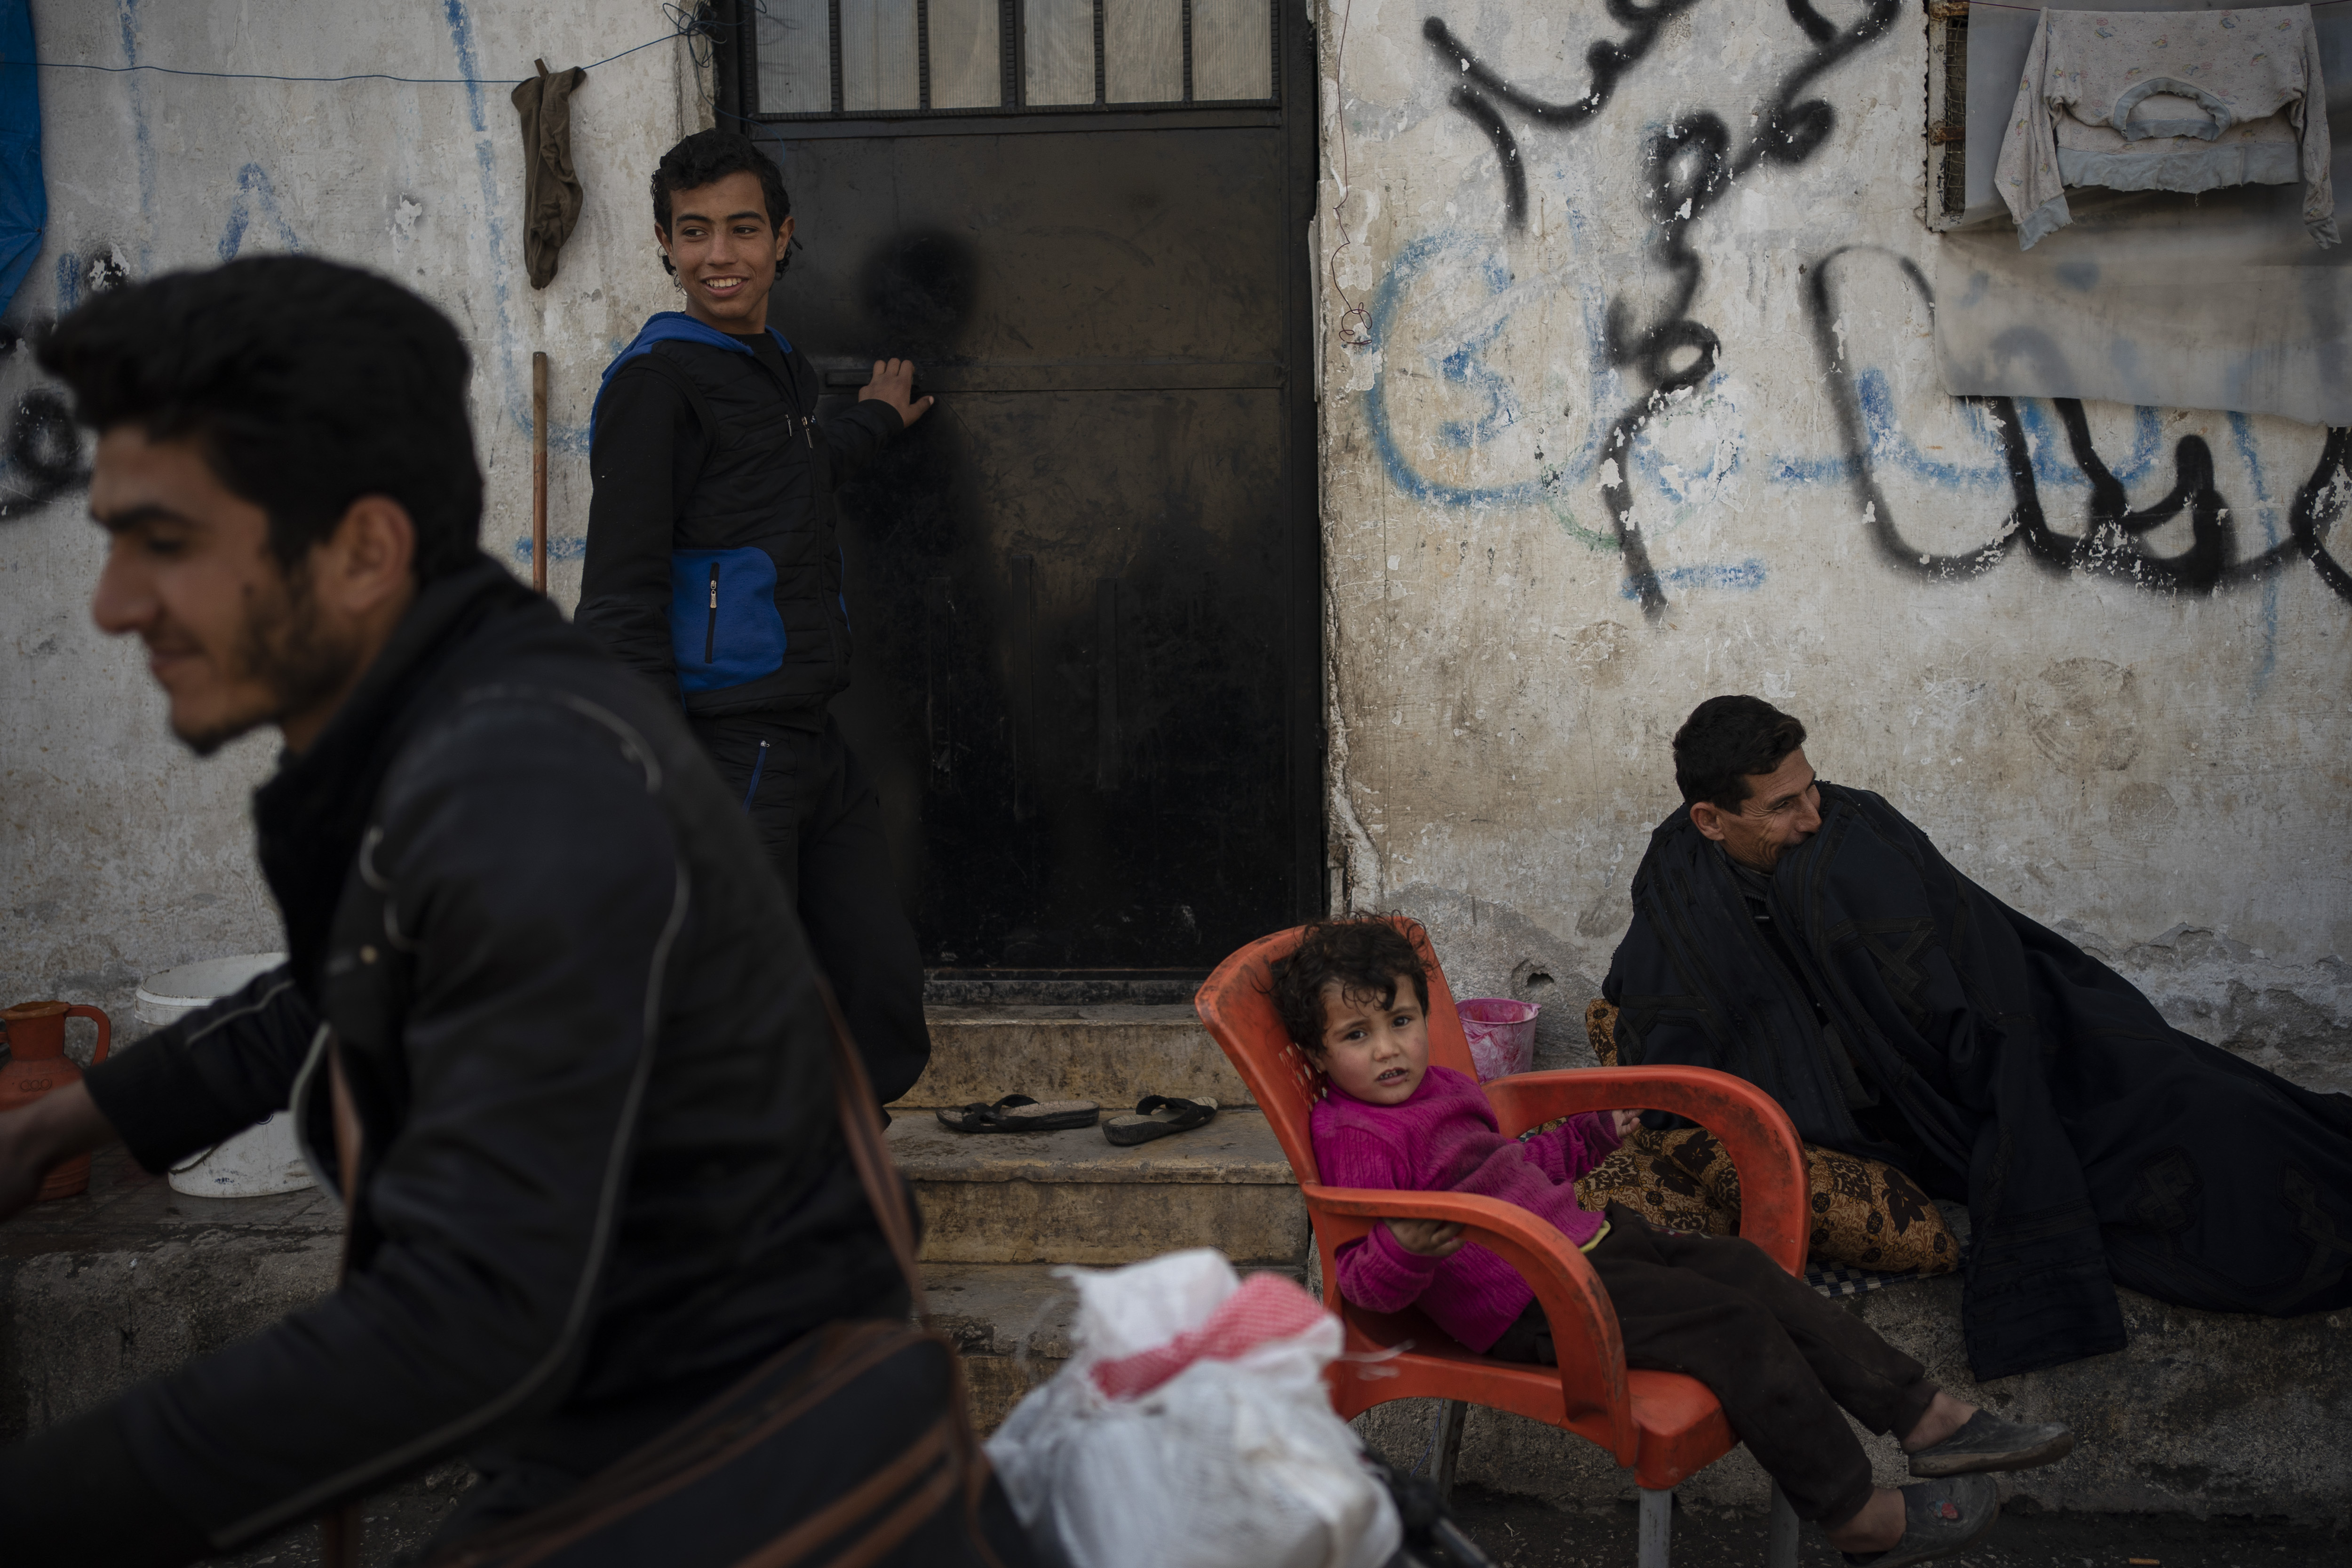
[{"x": 713, "y": 567}]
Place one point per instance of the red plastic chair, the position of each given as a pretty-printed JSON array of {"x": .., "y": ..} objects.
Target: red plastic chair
[{"x": 1662, "y": 1425}]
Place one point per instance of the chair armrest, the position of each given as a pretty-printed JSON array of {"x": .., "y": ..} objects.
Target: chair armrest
[
  {"x": 1583, "y": 1323},
  {"x": 1757, "y": 1135}
]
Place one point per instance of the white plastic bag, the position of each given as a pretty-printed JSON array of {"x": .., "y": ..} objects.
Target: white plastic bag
[{"x": 1233, "y": 1463}]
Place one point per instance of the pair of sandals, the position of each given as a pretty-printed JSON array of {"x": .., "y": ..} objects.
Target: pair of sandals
[
  {"x": 1950, "y": 1510},
  {"x": 1155, "y": 1116}
]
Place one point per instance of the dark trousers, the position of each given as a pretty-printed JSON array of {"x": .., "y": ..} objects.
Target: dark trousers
[
  {"x": 1781, "y": 1356},
  {"x": 821, "y": 822}
]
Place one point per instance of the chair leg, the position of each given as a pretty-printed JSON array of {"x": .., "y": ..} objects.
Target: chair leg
[
  {"x": 1782, "y": 1551},
  {"x": 1657, "y": 1528},
  {"x": 1451, "y": 1415}
]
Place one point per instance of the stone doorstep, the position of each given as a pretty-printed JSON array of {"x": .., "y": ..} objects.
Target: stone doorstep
[
  {"x": 1074, "y": 1197},
  {"x": 1114, "y": 1055}
]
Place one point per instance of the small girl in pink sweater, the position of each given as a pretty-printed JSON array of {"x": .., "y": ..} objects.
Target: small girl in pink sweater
[{"x": 1780, "y": 1357}]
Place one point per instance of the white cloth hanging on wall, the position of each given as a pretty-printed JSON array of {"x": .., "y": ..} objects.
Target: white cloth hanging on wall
[
  {"x": 2217, "y": 301},
  {"x": 2174, "y": 101}
]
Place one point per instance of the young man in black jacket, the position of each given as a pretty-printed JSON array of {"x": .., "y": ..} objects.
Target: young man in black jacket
[
  {"x": 601, "y": 1175},
  {"x": 714, "y": 568}
]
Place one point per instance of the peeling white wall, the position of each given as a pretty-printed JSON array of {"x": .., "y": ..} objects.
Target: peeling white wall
[
  {"x": 2160, "y": 771},
  {"x": 120, "y": 854}
]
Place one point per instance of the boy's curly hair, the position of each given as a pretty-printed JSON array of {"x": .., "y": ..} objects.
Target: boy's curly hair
[{"x": 1365, "y": 955}]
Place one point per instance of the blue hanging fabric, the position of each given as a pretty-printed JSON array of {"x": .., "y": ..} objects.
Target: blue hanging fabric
[{"x": 24, "y": 201}]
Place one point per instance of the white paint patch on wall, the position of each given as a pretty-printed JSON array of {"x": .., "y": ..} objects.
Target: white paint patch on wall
[
  {"x": 1708, "y": 306},
  {"x": 120, "y": 854}
]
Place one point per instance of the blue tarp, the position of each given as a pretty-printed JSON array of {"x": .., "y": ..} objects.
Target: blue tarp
[{"x": 24, "y": 202}]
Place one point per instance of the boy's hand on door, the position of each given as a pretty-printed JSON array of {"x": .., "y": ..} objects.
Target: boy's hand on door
[{"x": 894, "y": 383}]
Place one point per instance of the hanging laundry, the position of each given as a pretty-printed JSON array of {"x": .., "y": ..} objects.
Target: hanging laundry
[
  {"x": 2167, "y": 101},
  {"x": 551, "y": 196}
]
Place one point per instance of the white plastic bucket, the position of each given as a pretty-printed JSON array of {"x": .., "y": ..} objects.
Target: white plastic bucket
[
  {"x": 261, "y": 1160},
  {"x": 1502, "y": 1035}
]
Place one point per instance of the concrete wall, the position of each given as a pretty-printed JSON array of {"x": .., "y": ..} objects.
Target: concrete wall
[
  {"x": 120, "y": 854},
  {"x": 2159, "y": 771}
]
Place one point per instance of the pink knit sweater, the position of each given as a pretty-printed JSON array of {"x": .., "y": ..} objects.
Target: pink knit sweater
[{"x": 1445, "y": 1138}]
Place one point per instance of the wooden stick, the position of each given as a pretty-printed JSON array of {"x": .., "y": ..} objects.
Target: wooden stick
[{"x": 538, "y": 472}]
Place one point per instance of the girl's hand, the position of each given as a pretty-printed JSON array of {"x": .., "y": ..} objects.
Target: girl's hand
[
  {"x": 1429, "y": 1237},
  {"x": 1626, "y": 1122}
]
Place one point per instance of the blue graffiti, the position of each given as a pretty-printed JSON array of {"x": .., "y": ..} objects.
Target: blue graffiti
[
  {"x": 253, "y": 194},
  {"x": 1495, "y": 406},
  {"x": 1745, "y": 577},
  {"x": 560, "y": 547},
  {"x": 1462, "y": 366},
  {"x": 1892, "y": 449},
  {"x": 127, "y": 16}
]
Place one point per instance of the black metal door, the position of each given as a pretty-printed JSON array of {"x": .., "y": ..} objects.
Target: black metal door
[{"x": 1085, "y": 588}]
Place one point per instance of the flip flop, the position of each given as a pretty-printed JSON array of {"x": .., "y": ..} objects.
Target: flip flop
[
  {"x": 1158, "y": 1115},
  {"x": 1020, "y": 1113},
  {"x": 1939, "y": 1517}
]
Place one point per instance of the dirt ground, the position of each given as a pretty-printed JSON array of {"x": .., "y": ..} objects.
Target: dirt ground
[{"x": 1519, "y": 1533}]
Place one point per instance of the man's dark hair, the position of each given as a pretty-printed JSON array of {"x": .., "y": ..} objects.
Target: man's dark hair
[
  {"x": 306, "y": 384},
  {"x": 1724, "y": 741},
  {"x": 710, "y": 156},
  {"x": 1365, "y": 955}
]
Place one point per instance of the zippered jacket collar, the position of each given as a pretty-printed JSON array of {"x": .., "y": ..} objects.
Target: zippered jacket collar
[{"x": 676, "y": 326}]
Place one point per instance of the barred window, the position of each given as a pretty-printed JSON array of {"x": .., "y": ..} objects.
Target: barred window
[{"x": 843, "y": 58}]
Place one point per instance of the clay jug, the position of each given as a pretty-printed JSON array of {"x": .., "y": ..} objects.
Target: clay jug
[{"x": 38, "y": 1063}]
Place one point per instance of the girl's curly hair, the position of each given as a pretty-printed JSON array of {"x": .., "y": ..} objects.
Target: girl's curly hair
[{"x": 1366, "y": 955}]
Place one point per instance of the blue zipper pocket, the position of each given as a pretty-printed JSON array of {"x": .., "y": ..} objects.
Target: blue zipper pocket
[{"x": 724, "y": 626}]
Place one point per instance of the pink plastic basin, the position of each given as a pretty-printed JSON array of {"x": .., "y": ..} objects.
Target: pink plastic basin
[{"x": 1502, "y": 1035}]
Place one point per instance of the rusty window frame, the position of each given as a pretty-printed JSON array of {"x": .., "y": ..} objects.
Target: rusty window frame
[{"x": 737, "y": 24}]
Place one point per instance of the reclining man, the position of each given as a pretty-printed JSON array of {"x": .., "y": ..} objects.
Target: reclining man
[
  {"x": 1808, "y": 937},
  {"x": 533, "y": 944}
]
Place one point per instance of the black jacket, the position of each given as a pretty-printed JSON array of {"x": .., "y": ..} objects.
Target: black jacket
[
  {"x": 714, "y": 567},
  {"x": 2094, "y": 1142},
  {"x": 581, "y": 1024}
]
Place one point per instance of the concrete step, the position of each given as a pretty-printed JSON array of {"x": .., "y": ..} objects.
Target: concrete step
[
  {"x": 1012, "y": 1322},
  {"x": 1111, "y": 1054},
  {"x": 1072, "y": 1197}
]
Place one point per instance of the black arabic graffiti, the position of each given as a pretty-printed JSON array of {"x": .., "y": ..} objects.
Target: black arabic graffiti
[
  {"x": 2111, "y": 542},
  {"x": 1693, "y": 166},
  {"x": 43, "y": 450},
  {"x": 43, "y": 446}
]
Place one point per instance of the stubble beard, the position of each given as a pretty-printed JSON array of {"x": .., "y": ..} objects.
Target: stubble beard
[{"x": 283, "y": 647}]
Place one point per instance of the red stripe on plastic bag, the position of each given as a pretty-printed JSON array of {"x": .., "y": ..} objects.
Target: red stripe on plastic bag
[{"x": 1266, "y": 1307}]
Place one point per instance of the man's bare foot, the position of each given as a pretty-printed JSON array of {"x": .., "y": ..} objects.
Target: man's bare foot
[
  {"x": 1877, "y": 1528},
  {"x": 1945, "y": 1416}
]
